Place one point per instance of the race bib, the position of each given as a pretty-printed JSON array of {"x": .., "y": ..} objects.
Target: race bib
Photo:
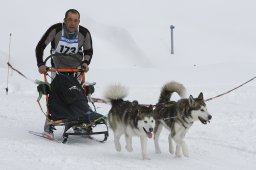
[{"x": 67, "y": 46}]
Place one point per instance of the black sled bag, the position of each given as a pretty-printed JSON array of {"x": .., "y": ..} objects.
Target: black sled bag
[{"x": 67, "y": 100}]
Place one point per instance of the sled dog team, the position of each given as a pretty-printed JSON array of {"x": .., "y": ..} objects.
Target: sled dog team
[{"x": 133, "y": 119}]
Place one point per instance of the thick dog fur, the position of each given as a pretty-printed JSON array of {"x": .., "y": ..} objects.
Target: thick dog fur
[
  {"x": 178, "y": 116},
  {"x": 129, "y": 118}
]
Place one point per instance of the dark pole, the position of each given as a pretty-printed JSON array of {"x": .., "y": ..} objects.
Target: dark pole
[
  {"x": 172, "y": 49},
  {"x": 9, "y": 56}
]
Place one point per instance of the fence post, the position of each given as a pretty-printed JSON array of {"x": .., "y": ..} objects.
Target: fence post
[{"x": 172, "y": 48}]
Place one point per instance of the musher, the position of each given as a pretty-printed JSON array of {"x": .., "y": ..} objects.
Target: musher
[{"x": 72, "y": 44}]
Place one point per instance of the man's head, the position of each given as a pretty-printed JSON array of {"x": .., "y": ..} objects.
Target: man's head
[{"x": 72, "y": 20}]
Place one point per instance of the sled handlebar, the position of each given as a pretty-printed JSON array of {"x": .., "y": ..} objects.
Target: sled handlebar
[{"x": 70, "y": 70}]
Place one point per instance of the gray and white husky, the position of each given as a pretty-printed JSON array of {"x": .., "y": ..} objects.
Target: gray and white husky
[
  {"x": 178, "y": 116},
  {"x": 129, "y": 118}
]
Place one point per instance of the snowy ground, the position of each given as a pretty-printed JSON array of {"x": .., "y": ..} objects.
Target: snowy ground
[
  {"x": 228, "y": 142},
  {"x": 214, "y": 52}
]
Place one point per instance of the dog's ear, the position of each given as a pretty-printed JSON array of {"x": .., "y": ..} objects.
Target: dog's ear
[
  {"x": 135, "y": 103},
  {"x": 191, "y": 100},
  {"x": 151, "y": 107},
  {"x": 201, "y": 96}
]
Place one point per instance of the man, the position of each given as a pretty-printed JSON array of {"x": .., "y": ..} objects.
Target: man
[
  {"x": 71, "y": 45},
  {"x": 66, "y": 38}
]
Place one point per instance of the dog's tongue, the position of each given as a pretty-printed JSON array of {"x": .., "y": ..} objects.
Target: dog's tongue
[{"x": 149, "y": 134}]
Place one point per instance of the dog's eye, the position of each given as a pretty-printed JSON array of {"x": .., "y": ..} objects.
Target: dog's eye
[
  {"x": 152, "y": 121},
  {"x": 202, "y": 110},
  {"x": 145, "y": 121}
]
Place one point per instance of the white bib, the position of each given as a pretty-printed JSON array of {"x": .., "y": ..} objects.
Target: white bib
[{"x": 67, "y": 46}]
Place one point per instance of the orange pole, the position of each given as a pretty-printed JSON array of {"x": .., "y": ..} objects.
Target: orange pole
[
  {"x": 46, "y": 97},
  {"x": 64, "y": 70},
  {"x": 83, "y": 80}
]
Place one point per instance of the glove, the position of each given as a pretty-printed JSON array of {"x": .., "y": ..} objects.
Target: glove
[
  {"x": 85, "y": 67},
  {"x": 42, "y": 69}
]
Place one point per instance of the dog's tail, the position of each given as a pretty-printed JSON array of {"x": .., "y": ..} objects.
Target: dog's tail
[
  {"x": 169, "y": 88},
  {"x": 115, "y": 93}
]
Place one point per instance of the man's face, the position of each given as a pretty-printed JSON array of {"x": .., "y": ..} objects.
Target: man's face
[{"x": 72, "y": 21}]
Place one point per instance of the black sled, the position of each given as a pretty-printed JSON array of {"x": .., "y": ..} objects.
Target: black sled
[{"x": 66, "y": 107}]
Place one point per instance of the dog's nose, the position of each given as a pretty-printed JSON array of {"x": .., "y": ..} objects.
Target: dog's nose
[
  {"x": 209, "y": 117},
  {"x": 151, "y": 129}
]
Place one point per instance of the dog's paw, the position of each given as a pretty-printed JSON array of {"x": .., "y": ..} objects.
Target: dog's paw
[
  {"x": 178, "y": 156},
  {"x": 171, "y": 150},
  {"x": 186, "y": 155},
  {"x": 178, "y": 152},
  {"x": 185, "y": 150},
  {"x": 118, "y": 147},
  {"x": 171, "y": 147},
  {"x": 129, "y": 148},
  {"x": 145, "y": 157}
]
